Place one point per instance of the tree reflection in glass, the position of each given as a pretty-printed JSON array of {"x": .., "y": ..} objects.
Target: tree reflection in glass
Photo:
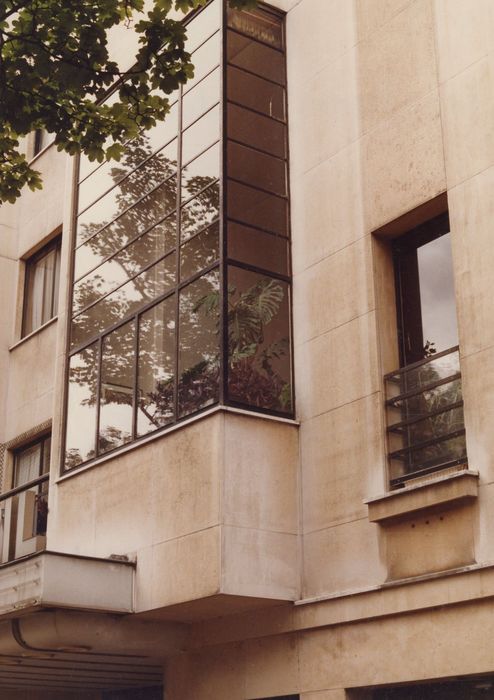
[
  {"x": 81, "y": 414},
  {"x": 156, "y": 367}
]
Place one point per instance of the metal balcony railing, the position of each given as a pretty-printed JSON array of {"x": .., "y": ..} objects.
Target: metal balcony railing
[
  {"x": 424, "y": 404},
  {"x": 23, "y": 519}
]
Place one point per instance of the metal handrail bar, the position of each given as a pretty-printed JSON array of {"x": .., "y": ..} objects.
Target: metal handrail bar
[
  {"x": 428, "y": 470},
  {"x": 422, "y": 389},
  {"x": 419, "y": 363},
  {"x": 426, "y": 443},
  {"x": 410, "y": 421},
  {"x": 24, "y": 487}
]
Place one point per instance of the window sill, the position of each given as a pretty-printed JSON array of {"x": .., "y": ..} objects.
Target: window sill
[
  {"x": 445, "y": 490},
  {"x": 33, "y": 333}
]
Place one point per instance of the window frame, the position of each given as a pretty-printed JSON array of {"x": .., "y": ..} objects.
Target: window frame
[{"x": 29, "y": 266}]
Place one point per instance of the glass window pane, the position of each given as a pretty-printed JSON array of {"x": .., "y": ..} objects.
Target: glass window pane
[
  {"x": 201, "y": 172},
  {"x": 203, "y": 25},
  {"x": 131, "y": 189},
  {"x": 81, "y": 408},
  {"x": 112, "y": 172},
  {"x": 27, "y": 464},
  {"x": 248, "y": 245},
  {"x": 258, "y": 169},
  {"x": 126, "y": 300},
  {"x": 56, "y": 281},
  {"x": 41, "y": 289},
  {"x": 148, "y": 211},
  {"x": 200, "y": 251},
  {"x": 255, "y": 57},
  {"x": 257, "y": 208},
  {"x": 49, "y": 263},
  {"x": 199, "y": 344},
  {"x": 129, "y": 262},
  {"x": 117, "y": 388},
  {"x": 200, "y": 212},
  {"x": 201, "y": 98},
  {"x": 34, "y": 297},
  {"x": 259, "y": 365},
  {"x": 156, "y": 368},
  {"x": 255, "y": 130},
  {"x": 205, "y": 59},
  {"x": 46, "y": 455},
  {"x": 253, "y": 92},
  {"x": 200, "y": 135},
  {"x": 257, "y": 25},
  {"x": 100, "y": 247}
]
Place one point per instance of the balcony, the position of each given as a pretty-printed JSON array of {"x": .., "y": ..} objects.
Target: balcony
[
  {"x": 23, "y": 519},
  {"x": 425, "y": 425}
]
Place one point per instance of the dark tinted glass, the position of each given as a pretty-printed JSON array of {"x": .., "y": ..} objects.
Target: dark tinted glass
[
  {"x": 156, "y": 367},
  {"x": 199, "y": 359},
  {"x": 257, "y": 208},
  {"x": 256, "y": 93},
  {"x": 124, "y": 301},
  {"x": 248, "y": 245},
  {"x": 256, "y": 130},
  {"x": 257, "y": 169},
  {"x": 259, "y": 365},
  {"x": 117, "y": 388},
  {"x": 255, "y": 57},
  {"x": 199, "y": 252},
  {"x": 81, "y": 411}
]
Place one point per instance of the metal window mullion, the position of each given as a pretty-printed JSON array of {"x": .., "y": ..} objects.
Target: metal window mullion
[
  {"x": 135, "y": 388},
  {"x": 98, "y": 393},
  {"x": 178, "y": 252},
  {"x": 223, "y": 242}
]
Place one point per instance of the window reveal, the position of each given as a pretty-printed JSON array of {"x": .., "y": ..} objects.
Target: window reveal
[
  {"x": 41, "y": 287},
  {"x": 424, "y": 398},
  {"x": 181, "y": 295}
]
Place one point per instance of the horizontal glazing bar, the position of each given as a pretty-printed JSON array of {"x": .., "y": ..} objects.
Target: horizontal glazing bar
[
  {"x": 398, "y": 454},
  {"x": 428, "y": 470},
  {"x": 419, "y": 363},
  {"x": 395, "y": 399},
  {"x": 398, "y": 427}
]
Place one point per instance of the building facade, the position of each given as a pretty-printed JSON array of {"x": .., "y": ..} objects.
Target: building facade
[{"x": 247, "y": 375}]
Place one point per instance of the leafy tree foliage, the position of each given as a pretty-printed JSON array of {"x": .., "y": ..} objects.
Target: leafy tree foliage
[{"x": 55, "y": 67}]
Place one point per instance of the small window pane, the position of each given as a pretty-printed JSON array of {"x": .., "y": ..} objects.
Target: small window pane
[
  {"x": 200, "y": 212},
  {"x": 259, "y": 366},
  {"x": 28, "y": 464},
  {"x": 41, "y": 289},
  {"x": 257, "y": 208},
  {"x": 156, "y": 369},
  {"x": 144, "y": 214},
  {"x": 111, "y": 240},
  {"x": 124, "y": 301},
  {"x": 45, "y": 467},
  {"x": 200, "y": 135},
  {"x": 201, "y": 172},
  {"x": 199, "y": 344},
  {"x": 257, "y": 169},
  {"x": 255, "y": 57},
  {"x": 202, "y": 26},
  {"x": 248, "y": 245},
  {"x": 117, "y": 388},
  {"x": 129, "y": 191},
  {"x": 200, "y": 251},
  {"x": 201, "y": 98},
  {"x": 81, "y": 411},
  {"x": 123, "y": 265},
  {"x": 205, "y": 59},
  {"x": 112, "y": 172},
  {"x": 255, "y": 93},
  {"x": 256, "y": 130}
]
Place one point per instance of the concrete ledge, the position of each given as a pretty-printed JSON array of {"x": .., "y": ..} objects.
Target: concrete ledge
[
  {"x": 51, "y": 579},
  {"x": 447, "y": 490}
]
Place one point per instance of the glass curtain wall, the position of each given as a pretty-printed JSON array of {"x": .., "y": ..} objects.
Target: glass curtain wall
[{"x": 181, "y": 294}]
